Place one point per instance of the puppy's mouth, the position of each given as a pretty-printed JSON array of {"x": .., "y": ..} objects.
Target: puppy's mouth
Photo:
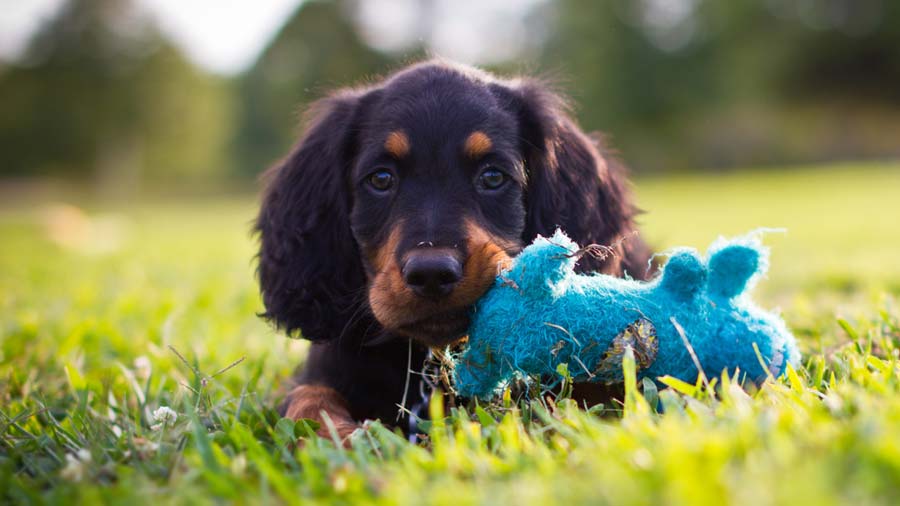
[
  {"x": 440, "y": 329},
  {"x": 402, "y": 309}
]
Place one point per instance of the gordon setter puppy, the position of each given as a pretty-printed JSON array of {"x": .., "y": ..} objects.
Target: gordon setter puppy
[{"x": 394, "y": 211}]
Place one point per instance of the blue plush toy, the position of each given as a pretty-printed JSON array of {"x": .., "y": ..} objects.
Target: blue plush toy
[{"x": 540, "y": 314}]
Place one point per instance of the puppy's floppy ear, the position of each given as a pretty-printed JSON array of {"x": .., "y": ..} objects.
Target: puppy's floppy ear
[
  {"x": 573, "y": 183},
  {"x": 309, "y": 267}
]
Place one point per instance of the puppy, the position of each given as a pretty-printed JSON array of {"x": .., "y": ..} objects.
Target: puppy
[{"x": 394, "y": 211}]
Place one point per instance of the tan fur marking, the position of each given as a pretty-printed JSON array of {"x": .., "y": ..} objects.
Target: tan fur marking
[
  {"x": 385, "y": 254},
  {"x": 395, "y": 305},
  {"x": 310, "y": 401},
  {"x": 387, "y": 282},
  {"x": 397, "y": 144},
  {"x": 477, "y": 144},
  {"x": 487, "y": 256}
]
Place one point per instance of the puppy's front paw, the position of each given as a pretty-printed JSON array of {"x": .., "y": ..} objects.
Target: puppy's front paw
[
  {"x": 325, "y": 406},
  {"x": 345, "y": 430}
]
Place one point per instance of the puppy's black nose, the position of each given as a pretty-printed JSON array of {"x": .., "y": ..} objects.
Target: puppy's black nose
[{"x": 432, "y": 273}]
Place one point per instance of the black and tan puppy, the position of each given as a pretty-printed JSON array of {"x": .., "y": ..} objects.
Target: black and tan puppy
[{"x": 390, "y": 217}]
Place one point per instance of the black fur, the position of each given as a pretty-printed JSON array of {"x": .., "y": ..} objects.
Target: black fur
[
  {"x": 309, "y": 271},
  {"x": 574, "y": 183}
]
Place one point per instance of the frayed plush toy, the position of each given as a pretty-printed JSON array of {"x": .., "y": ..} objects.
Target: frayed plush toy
[{"x": 541, "y": 314}]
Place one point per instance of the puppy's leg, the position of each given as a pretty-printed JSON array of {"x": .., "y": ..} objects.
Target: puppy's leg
[
  {"x": 311, "y": 401},
  {"x": 351, "y": 382}
]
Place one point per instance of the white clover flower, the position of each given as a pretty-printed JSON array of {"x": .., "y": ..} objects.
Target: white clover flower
[
  {"x": 834, "y": 403},
  {"x": 164, "y": 416},
  {"x": 239, "y": 464},
  {"x": 75, "y": 469},
  {"x": 142, "y": 367}
]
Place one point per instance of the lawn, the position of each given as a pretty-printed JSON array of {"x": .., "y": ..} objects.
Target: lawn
[{"x": 94, "y": 298}]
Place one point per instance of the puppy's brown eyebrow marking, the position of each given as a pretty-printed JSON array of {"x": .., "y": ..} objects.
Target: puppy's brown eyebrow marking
[
  {"x": 397, "y": 144},
  {"x": 477, "y": 144}
]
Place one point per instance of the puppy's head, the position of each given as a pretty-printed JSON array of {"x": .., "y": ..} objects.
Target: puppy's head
[{"x": 403, "y": 201}]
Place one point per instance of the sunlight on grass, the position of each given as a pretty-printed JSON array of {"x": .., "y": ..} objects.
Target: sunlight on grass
[
  {"x": 840, "y": 222},
  {"x": 86, "y": 368}
]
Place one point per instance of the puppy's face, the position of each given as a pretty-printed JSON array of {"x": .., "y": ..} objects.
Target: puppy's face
[{"x": 438, "y": 201}]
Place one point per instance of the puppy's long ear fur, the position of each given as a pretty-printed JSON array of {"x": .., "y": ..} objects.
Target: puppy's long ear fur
[
  {"x": 575, "y": 184},
  {"x": 309, "y": 268}
]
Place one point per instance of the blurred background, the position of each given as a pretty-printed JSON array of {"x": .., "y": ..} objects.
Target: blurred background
[
  {"x": 132, "y": 132},
  {"x": 129, "y": 94}
]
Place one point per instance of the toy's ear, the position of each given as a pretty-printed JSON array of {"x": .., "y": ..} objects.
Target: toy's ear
[
  {"x": 735, "y": 266},
  {"x": 544, "y": 263},
  {"x": 684, "y": 275}
]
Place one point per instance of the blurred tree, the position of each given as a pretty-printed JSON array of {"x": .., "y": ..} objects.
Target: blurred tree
[
  {"x": 101, "y": 93},
  {"x": 676, "y": 83},
  {"x": 804, "y": 81},
  {"x": 621, "y": 81},
  {"x": 703, "y": 83},
  {"x": 844, "y": 49},
  {"x": 317, "y": 50}
]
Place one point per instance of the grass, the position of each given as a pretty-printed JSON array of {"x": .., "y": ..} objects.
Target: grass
[{"x": 92, "y": 299}]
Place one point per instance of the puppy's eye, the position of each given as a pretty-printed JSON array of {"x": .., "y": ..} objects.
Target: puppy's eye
[
  {"x": 492, "y": 179},
  {"x": 381, "y": 180}
]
